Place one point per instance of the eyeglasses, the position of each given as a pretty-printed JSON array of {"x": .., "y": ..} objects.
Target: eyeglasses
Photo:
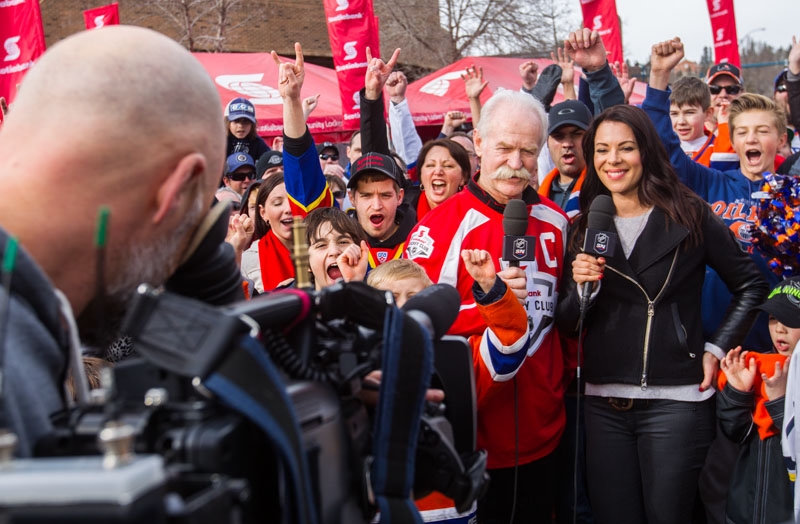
[
  {"x": 731, "y": 90},
  {"x": 239, "y": 177},
  {"x": 326, "y": 156},
  {"x": 338, "y": 194},
  {"x": 781, "y": 88}
]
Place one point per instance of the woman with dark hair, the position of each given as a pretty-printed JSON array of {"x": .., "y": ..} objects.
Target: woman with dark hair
[
  {"x": 268, "y": 261},
  {"x": 444, "y": 169},
  {"x": 650, "y": 413}
]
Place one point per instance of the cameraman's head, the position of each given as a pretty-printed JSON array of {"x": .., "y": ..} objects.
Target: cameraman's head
[{"x": 124, "y": 131}]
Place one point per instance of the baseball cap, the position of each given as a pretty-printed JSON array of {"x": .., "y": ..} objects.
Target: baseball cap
[
  {"x": 783, "y": 302},
  {"x": 326, "y": 145},
  {"x": 724, "y": 68},
  {"x": 375, "y": 163},
  {"x": 240, "y": 108},
  {"x": 269, "y": 160},
  {"x": 237, "y": 160},
  {"x": 571, "y": 112},
  {"x": 780, "y": 79}
]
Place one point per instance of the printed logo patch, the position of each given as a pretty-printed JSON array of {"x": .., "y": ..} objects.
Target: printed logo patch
[{"x": 420, "y": 245}]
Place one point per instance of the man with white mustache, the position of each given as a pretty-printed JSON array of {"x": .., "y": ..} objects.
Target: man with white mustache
[{"x": 522, "y": 396}]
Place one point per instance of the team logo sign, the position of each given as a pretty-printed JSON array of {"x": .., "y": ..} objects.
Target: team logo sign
[{"x": 383, "y": 256}]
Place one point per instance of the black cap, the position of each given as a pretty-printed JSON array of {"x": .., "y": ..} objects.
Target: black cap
[
  {"x": 269, "y": 160},
  {"x": 783, "y": 303},
  {"x": 724, "y": 68},
  {"x": 571, "y": 112},
  {"x": 375, "y": 163},
  {"x": 781, "y": 79},
  {"x": 326, "y": 145}
]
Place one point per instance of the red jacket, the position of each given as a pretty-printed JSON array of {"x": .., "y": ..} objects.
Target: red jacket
[{"x": 471, "y": 219}]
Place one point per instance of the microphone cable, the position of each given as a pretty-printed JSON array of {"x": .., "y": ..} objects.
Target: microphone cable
[
  {"x": 516, "y": 452},
  {"x": 578, "y": 412}
]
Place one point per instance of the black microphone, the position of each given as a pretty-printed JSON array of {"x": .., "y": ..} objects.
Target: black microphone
[
  {"x": 517, "y": 246},
  {"x": 435, "y": 308},
  {"x": 599, "y": 241}
]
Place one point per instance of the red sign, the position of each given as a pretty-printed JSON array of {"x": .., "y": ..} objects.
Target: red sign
[
  {"x": 101, "y": 16},
  {"x": 21, "y": 42},
  {"x": 351, "y": 29},
  {"x": 723, "y": 29},
  {"x": 601, "y": 16}
]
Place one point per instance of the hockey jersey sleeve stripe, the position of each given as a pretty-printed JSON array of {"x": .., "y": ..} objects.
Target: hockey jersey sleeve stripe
[
  {"x": 449, "y": 272},
  {"x": 503, "y": 362}
]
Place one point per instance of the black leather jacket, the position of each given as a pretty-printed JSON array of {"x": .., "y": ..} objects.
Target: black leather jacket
[{"x": 644, "y": 327}]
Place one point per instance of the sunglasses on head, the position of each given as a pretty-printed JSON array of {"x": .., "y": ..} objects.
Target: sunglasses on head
[
  {"x": 326, "y": 156},
  {"x": 781, "y": 88},
  {"x": 731, "y": 90},
  {"x": 239, "y": 177}
]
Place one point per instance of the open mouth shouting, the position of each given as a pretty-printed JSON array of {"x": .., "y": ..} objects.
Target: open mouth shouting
[
  {"x": 333, "y": 271},
  {"x": 753, "y": 156}
]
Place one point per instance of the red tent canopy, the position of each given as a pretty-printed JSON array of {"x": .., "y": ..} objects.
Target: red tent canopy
[
  {"x": 255, "y": 76},
  {"x": 430, "y": 97}
]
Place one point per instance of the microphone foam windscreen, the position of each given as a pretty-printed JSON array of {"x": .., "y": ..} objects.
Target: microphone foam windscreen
[{"x": 515, "y": 218}]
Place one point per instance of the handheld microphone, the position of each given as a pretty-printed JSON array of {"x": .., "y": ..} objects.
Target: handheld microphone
[
  {"x": 435, "y": 308},
  {"x": 599, "y": 241},
  {"x": 517, "y": 246}
]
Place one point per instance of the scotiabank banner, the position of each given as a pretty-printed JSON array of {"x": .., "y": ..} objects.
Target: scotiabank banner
[
  {"x": 723, "y": 29},
  {"x": 351, "y": 28},
  {"x": 101, "y": 16},
  {"x": 22, "y": 39},
  {"x": 601, "y": 16}
]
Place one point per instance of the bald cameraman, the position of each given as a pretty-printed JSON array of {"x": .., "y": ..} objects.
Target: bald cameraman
[{"x": 132, "y": 122}]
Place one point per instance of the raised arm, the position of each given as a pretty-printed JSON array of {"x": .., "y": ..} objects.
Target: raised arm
[
  {"x": 793, "y": 83},
  {"x": 474, "y": 84},
  {"x": 374, "y": 138},
  {"x": 586, "y": 48},
  {"x": 305, "y": 183},
  {"x": 567, "y": 65},
  {"x": 405, "y": 138}
]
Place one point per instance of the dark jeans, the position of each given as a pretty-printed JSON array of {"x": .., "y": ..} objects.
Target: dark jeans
[
  {"x": 643, "y": 464},
  {"x": 535, "y": 493},
  {"x": 565, "y": 480}
]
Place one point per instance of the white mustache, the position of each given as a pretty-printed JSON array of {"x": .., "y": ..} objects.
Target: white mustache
[{"x": 506, "y": 173}]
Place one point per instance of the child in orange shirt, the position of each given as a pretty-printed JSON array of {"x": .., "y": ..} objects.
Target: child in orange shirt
[{"x": 689, "y": 110}]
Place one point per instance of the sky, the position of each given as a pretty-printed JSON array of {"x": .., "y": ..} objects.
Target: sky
[{"x": 645, "y": 22}]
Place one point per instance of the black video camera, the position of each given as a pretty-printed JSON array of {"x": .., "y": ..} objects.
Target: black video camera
[{"x": 253, "y": 412}]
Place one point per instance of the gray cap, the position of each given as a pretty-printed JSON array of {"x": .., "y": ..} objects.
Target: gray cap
[{"x": 571, "y": 112}]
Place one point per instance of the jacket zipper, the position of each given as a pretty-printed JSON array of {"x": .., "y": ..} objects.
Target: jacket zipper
[{"x": 651, "y": 311}]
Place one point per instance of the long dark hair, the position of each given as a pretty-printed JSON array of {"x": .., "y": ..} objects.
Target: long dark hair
[
  {"x": 659, "y": 186},
  {"x": 267, "y": 186}
]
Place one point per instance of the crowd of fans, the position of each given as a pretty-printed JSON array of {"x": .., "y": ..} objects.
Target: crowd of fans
[{"x": 678, "y": 413}]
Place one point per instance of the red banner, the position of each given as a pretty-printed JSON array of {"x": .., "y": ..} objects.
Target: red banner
[
  {"x": 22, "y": 39},
  {"x": 101, "y": 16},
  {"x": 601, "y": 16},
  {"x": 351, "y": 28},
  {"x": 723, "y": 29}
]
